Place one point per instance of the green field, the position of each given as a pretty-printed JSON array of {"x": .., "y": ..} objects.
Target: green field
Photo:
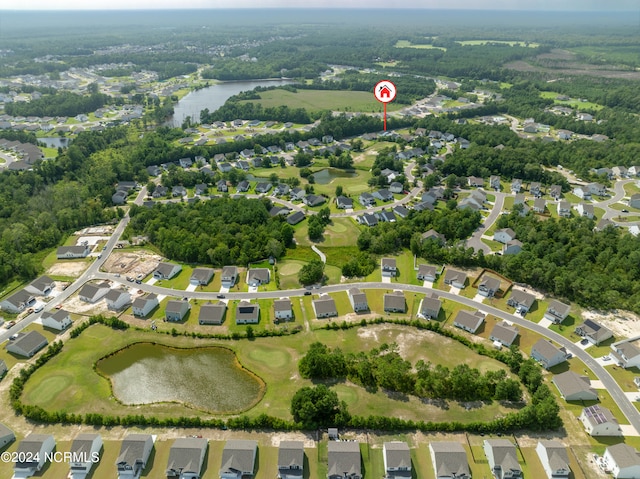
[
  {"x": 423, "y": 46},
  {"x": 319, "y": 100},
  {"x": 503, "y": 42},
  {"x": 575, "y": 103}
]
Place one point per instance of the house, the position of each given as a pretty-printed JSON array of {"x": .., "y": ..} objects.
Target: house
[
  {"x": 555, "y": 191},
  {"x": 117, "y": 299},
  {"x": 186, "y": 457},
  {"x": 565, "y": 134},
  {"x": 263, "y": 187},
  {"x": 176, "y": 310},
  {"x": 470, "y": 321},
  {"x": 469, "y": 203},
  {"x": 247, "y": 313},
  {"x": 368, "y": 219},
  {"x": 557, "y": 311},
  {"x": 282, "y": 309},
  {"x": 397, "y": 460},
  {"x": 160, "y": 191},
  {"x": 488, "y": 286},
  {"x": 626, "y": 353},
  {"x": 366, "y": 200},
  {"x": 7, "y": 436},
  {"x": 17, "y": 302},
  {"x": 3, "y": 371},
  {"x": 225, "y": 167},
  {"x": 243, "y": 186},
  {"x": 535, "y": 189},
  {"x": 634, "y": 201},
  {"x": 573, "y": 387},
  {"x": 596, "y": 189},
  {"x": 599, "y": 421},
  {"x": 449, "y": 460},
  {"x": 554, "y": 458},
  {"x": 201, "y": 276},
  {"x": 212, "y": 313},
  {"x": 313, "y": 200},
  {"x": 166, "y": 270},
  {"x": 91, "y": 292},
  {"x": 143, "y": 305},
  {"x": 401, "y": 211},
  {"x": 282, "y": 189},
  {"x": 539, "y": 205},
  {"x": 512, "y": 247},
  {"x": 324, "y": 306},
  {"x": 396, "y": 187},
  {"x": 620, "y": 171},
  {"x": 516, "y": 186},
  {"x": 238, "y": 459},
  {"x": 475, "y": 181},
  {"x": 395, "y": 302},
  {"x": 455, "y": 278},
  {"x": 295, "y": 217},
  {"x": 383, "y": 195},
  {"x": 297, "y": 194},
  {"x": 73, "y": 252},
  {"x": 60, "y": 320},
  {"x": 430, "y": 307},
  {"x": 27, "y": 344},
  {"x": 32, "y": 454},
  {"x": 547, "y": 354},
  {"x": 604, "y": 223},
  {"x": 344, "y": 460},
  {"x": 179, "y": 190},
  {"x": 519, "y": 200},
  {"x": 85, "y": 452},
  {"x": 521, "y": 300},
  {"x": 185, "y": 162},
  {"x": 585, "y": 210},
  {"x": 504, "y": 235},
  {"x": 221, "y": 186},
  {"x": 134, "y": 453},
  {"x": 623, "y": 461},
  {"x": 290, "y": 460},
  {"x": 584, "y": 117},
  {"x": 229, "y": 276},
  {"x": 343, "y": 203},
  {"x": 582, "y": 193},
  {"x": 433, "y": 235},
  {"x": 427, "y": 272},
  {"x": 504, "y": 334},
  {"x": 594, "y": 332},
  {"x": 388, "y": 267},
  {"x": 358, "y": 300},
  {"x": 494, "y": 182},
  {"x": 503, "y": 459},
  {"x": 423, "y": 205},
  {"x": 389, "y": 174},
  {"x": 258, "y": 276},
  {"x": 41, "y": 286}
]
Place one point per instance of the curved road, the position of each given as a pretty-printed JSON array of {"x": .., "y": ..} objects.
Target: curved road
[{"x": 475, "y": 241}]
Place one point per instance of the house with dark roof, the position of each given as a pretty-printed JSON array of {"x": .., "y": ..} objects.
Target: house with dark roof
[
  {"x": 229, "y": 276},
  {"x": 383, "y": 195},
  {"x": 176, "y": 310},
  {"x": 388, "y": 267},
  {"x": 573, "y": 387},
  {"x": 258, "y": 276},
  {"x": 503, "y": 459},
  {"x": 201, "y": 276},
  {"x": 73, "y": 252},
  {"x": 358, "y": 300},
  {"x": 143, "y": 305},
  {"x": 290, "y": 460},
  {"x": 343, "y": 203},
  {"x": 554, "y": 459},
  {"x": 599, "y": 421},
  {"x": 469, "y": 321},
  {"x": 494, "y": 182},
  {"x": 58, "y": 320},
  {"x": 92, "y": 292},
  {"x": 295, "y": 217},
  {"x": 344, "y": 461},
  {"x": 488, "y": 286},
  {"x": 557, "y": 311},
  {"x": 212, "y": 313},
  {"x": 27, "y": 344},
  {"x": 313, "y": 200},
  {"x": 455, "y": 278},
  {"x": 247, "y": 313},
  {"x": 385, "y": 216},
  {"x": 134, "y": 454},
  {"x": 368, "y": 219},
  {"x": 243, "y": 186},
  {"x": 366, "y": 199},
  {"x": 427, "y": 272},
  {"x": 85, "y": 453},
  {"x": 521, "y": 300},
  {"x": 325, "y": 306},
  {"x": 166, "y": 270},
  {"x": 32, "y": 454},
  {"x": 430, "y": 307},
  {"x": 401, "y": 211},
  {"x": 282, "y": 309},
  {"x": 186, "y": 457},
  {"x": 238, "y": 459},
  {"x": 17, "y": 302},
  {"x": 593, "y": 332},
  {"x": 504, "y": 235},
  {"x": 395, "y": 302},
  {"x": 117, "y": 299},
  {"x": 449, "y": 460},
  {"x": 504, "y": 334},
  {"x": 623, "y": 461},
  {"x": 475, "y": 181},
  {"x": 41, "y": 286},
  {"x": 263, "y": 187},
  {"x": 555, "y": 191},
  {"x": 626, "y": 353},
  {"x": 512, "y": 247},
  {"x": 547, "y": 354},
  {"x": 397, "y": 460}
]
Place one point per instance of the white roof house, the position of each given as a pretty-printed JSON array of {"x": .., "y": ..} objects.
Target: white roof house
[
  {"x": 554, "y": 458},
  {"x": 85, "y": 449},
  {"x": 599, "y": 421},
  {"x": 59, "y": 320},
  {"x": 32, "y": 454}
]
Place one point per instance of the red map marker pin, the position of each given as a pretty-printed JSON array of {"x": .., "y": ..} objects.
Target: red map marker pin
[{"x": 384, "y": 91}]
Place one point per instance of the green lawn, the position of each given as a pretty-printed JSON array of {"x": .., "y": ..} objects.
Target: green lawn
[
  {"x": 505, "y": 42},
  {"x": 573, "y": 103},
  {"x": 423, "y": 46}
]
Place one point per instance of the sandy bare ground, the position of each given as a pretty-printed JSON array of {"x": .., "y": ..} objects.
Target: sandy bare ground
[
  {"x": 68, "y": 268},
  {"x": 131, "y": 263},
  {"x": 407, "y": 341},
  {"x": 624, "y": 324}
]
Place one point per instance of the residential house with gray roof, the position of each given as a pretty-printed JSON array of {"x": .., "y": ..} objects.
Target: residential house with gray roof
[
  {"x": 449, "y": 460},
  {"x": 143, "y": 305},
  {"x": 238, "y": 459},
  {"x": 117, "y": 299},
  {"x": 85, "y": 448},
  {"x": 599, "y": 421},
  {"x": 358, "y": 300},
  {"x": 521, "y": 300},
  {"x": 593, "y": 332},
  {"x": 176, "y": 310},
  {"x": 325, "y": 306},
  {"x": 504, "y": 333},
  {"x": 27, "y": 344},
  {"x": 554, "y": 458},
  {"x": 395, "y": 302},
  {"x": 186, "y": 457},
  {"x": 17, "y": 302},
  {"x": 229, "y": 276},
  {"x": 247, "y": 313},
  {"x": 455, "y": 278},
  {"x": 7, "y": 436},
  {"x": 73, "y": 252},
  {"x": 573, "y": 387},
  {"x": 32, "y": 454},
  {"x": 430, "y": 306},
  {"x": 397, "y": 460},
  {"x": 344, "y": 461},
  {"x": 427, "y": 272},
  {"x": 388, "y": 267},
  {"x": 92, "y": 292},
  {"x": 41, "y": 286},
  {"x": 166, "y": 270},
  {"x": 58, "y": 320},
  {"x": 201, "y": 276},
  {"x": 557, "y": 311},
  {"x": 623, "y": 460},
  {"x": 503, "y": 459},
  {"x": 290, "y": 460},
  {"x": 258, "y": 276},
  {"x": 212, "y": 313},
  {"x": 469, "y": 321},
  {"x": 488, "y": 286},
  {"x": 547, "y": 354},
  {"x": 282, "y": 309},
  {"x": 134, "y": 454}
]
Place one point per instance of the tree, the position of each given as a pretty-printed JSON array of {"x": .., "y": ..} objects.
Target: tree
[
  {"x": 311, "y": 272},
  {"x": 339, "y": 190},
  {"x": 318, "y": 406}
]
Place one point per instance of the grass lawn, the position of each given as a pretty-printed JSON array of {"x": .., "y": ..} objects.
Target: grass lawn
[
  {"x": 624, "y": 377},
  {"x": 631, "y": 189},
  {"x": 288, "y": 270},
  {"x": 504, "y": 42},
  {"x": 406, "y": 273},
  {"x": 424, "y": 46},
  {"x": 567, "y": 327},
  {"x": 574, "y": 103},
  {"x": 179, "y": 281},
  {"x": 340, "y": 232},
  {"x": 351, "y": 186},
  {"x": 494, "y": 245}
]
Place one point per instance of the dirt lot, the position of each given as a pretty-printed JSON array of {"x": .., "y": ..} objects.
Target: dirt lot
[
  {"x": 624, "y": 324},
  {"x": 131, "y": 263},
  {"x": 68, "y": 268}
]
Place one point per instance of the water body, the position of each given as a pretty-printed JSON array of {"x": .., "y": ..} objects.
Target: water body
[
  {"x": 213, "y": 97},
  {"x": 209, "y": 379},
  {"x": 54, "y": 142},
  {"x": 324, "y": 177}
]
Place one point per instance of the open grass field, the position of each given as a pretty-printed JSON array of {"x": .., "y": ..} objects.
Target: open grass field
[
  {"x": 423, "y": 46},
  {"x": 504, "y": 42},
  {"x": 319, "y": 100},
  {"x": 574, "y": 102}
]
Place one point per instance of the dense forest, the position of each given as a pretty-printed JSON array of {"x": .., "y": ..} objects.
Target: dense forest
[{"x": 58, "y": 104}]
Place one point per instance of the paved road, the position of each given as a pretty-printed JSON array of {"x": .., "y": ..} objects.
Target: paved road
[
  {"x": 475, "y": 241},
  {"x": 323, "y": 257}
]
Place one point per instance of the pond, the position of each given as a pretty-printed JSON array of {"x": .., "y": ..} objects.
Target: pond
[
  {"x": 327, "y": 175},
  {"x": 209, "y": 379},
  {"x": 55, "y": 142}
]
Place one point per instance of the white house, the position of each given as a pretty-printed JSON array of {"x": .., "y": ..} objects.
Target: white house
[
  {"x": 17, "y": 302},
  {"x": 547, "y": 354},
  {"x": 599, "y": 421},
  {"x": 32, "y": 454},
  {"x": 554, "y": 458},
  {"x": 504, "y": 235},
  {"x": 41, "y": 286},
  {"x": 623, "y": 460},
  {"x": 90, "y": 292},
  {"x": 117, "y": 299},
  {"x": 449, "y": 460},
  {"x": 626, "y": 353},
  {"x": 397, "y": 460},
  {"x": 186, "y": 457},
  {"x": 134, "y": 453},
  {"x": 282, "y": 309},
  {"x": 166, "y": 270},
  {"x": 358, "y": 300},
  {"x": 503, "y": 459},
  {"x": 72, "y": 252},
  {"x": 582, "y": 193},
  {"x": 85, "y": 450},
  {"x": 60, "y": 320},
  {"x": 7, "y": 436},
  {"x": 143, "y": 305}
]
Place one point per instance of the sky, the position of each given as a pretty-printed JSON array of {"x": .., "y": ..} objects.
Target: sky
[{"x": 539, "y": 5}]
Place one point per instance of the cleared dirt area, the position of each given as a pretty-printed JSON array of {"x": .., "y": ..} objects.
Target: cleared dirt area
[
  {"x": 624, "y": 324},
  {"x": 68, "y": 268},
  {"x": 132, "y": 263}
]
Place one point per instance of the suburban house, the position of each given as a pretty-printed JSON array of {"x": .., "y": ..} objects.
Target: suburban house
[
  {"x": 186, "y": 457},
  {"x": 623, "y": 461},
  {"x": 229, "y": 276},
  {"x": 258, "y": 276},
  {"x": 604, "y": 223},
  {"x": 430, "y": 307},
  {"x": 516, "y": 186},
  {"x": 201, "y": 276},
  {"x": 134, "y": 453},
  {"x": 388, "y": 267},
  {"x": 85, "y": 448},
  {"x": 290, "y": 460},
  {"x": 7, "y": 436},
  {"x": 503, "y": 459},
  {"x": 282, "y": 309},
  {"x": 297, "y": 194},
  {"x": 60, "y": 320},
  {"x": 504, "y": 235},
  {"x": 263, "y": 187},
  {"x": 449, "y": 460},
  {"x": 594, "y": 332},
  {"x": 395, "y": 302},
  {"x": 41, "y": 286},
  {"x": 521, "y": 300},
  {"x": 160, "y": 191},
  {"x": 366, "y": 200},
  {"x": 238, "y": 459},
  {"x": 433, "y": 235},
  {"x": 539, "y": 205},
  {"x": 166, "y": 270},
  {"x": 470, "y": 321},
  {"x": 488, "y": 286},
  {"x": 358, "y": 300},
  {"x": 585, "y": 210},
  {"x": 324, "y": 306},
  {"x": 599, "y": 421},
  {"x": 178, "y": 190},
  {"x": 427, "y": 272},
  {"x": 519, "y": 200},
  {"x": 143, "y": 305},
  {"x": 557, "y": 311},
  {"x": 17, "y": 302},
  {"x": 504, "y": 334},
  {"x": 32, "y": 454},
  {"x": 475, "y": 181},
  {"x": 547, "y": 354},
  {"x": 573, "y": 387},
  {"x": 494, "y": 182},
  {"x": 597, "y": 189},
  {"x": 343, "y": 203},
  {"x": 90, "y": 292},
  {"x": 386, "y": 216},
  {"x": 512, "y": 247},
  {"x": 247, "y": 313},
  {"x": 313, "y": 200},
  {"x": 564, "y": 209},
  {"x": 397, "y": 460},
  {"x": 344, "y": 460},
  {"x": 176, "y": 310},
  {"x": 455, "y": 278},
  {"x": 534, "y": 189},
  {"x": 3, "y": 370},
  {"x": 212, "y": 313},
  {"x": 27, "y": 344},
  {"x": 243, "y": 186},
  {"x": 73, "y": 252},
  {"x": 554, "y": 459},
  {"x": 396, "y": 187},
  {"x": 295, "y": 217},
  {"x": 582, "y": 193},
  {"x": 626, "y": 353},
  {"x": 117, "y": 299}
]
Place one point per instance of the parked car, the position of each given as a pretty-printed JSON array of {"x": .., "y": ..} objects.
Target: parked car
[
  {"x": 10, "y": 324},
  {"x": 220, "y": 296},
  {"x": 130, "y": 279},
  {"x": 307, "y": 293},
  {"x": 38, "y": 308}
]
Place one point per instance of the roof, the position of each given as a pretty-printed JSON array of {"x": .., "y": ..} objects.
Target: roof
[
  {"x": 30, "y": 342},
  {"x": 186, "y": 454},
  {"x": 507, "y": 231},
  {"x": 468, "y": 319},
  {"x": 395, "y": 300},
  {"x": 597, "y": 414},
  {"x": 175, "y": 305},
  {"x": 624, "y": 455},
  {"x": 490, "y": 283},
  {"x": 325, "y": 305},
  {"x": 33, "y": 443},
  {"x": 141, "y": 301},
  {"x": 357, "y": 295},
  {"x": 546, "y": 349},
  {"x": 398, "y": 454},
  {"x": 427, "y": 270},
  {"x": 239, "y": 455},
  {"x": 132, "y": 448},
  {"x": 283, "y": 304},
  {"x": 431, "y": 303},
  {"x": 212, "y": 313},
  {"x": 450, "y": 457},
  {"x": 165, "y": 269},
  {"x": 454, "y": 275},
  {"x": 556, "y": 454},
  {"x": 505, "y": 333},
  {"x": 260, "y": 274},
  {"x": 18, "y": 298},
  {"x": 229, "y": 271},
  {"x": 558, "y": 309},
  {"x": 291, "y": 453},
  {"x": 42, "y": 283},
  {"x": 59, "y": 316},
  {"x": 388, "y": 263},
  {"x": 570, "y": 383},
  {"x": 594, "y": 329},
  {"x": 83, "y": 443},
  {"x": 522, "y": 297},
  {"x": 89, "y": 290},
  {"x": 247, "y": 310},
  {"x": 114, "y": 294},
  {"x": 344, "y": 457},
  {"x": 202, "y": 274},
  {"x": 295, "y": 218},
  {"x": 5, "y": 431},
  {"x": 504, "y": 454}
]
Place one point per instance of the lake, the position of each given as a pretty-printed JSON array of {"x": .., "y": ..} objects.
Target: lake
[
  {"x": 210, "y": 379},
  {"x": 213, "y": 97},
  {"x": 53, "y": 142},
  {"x": 324, "y": 177}
]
